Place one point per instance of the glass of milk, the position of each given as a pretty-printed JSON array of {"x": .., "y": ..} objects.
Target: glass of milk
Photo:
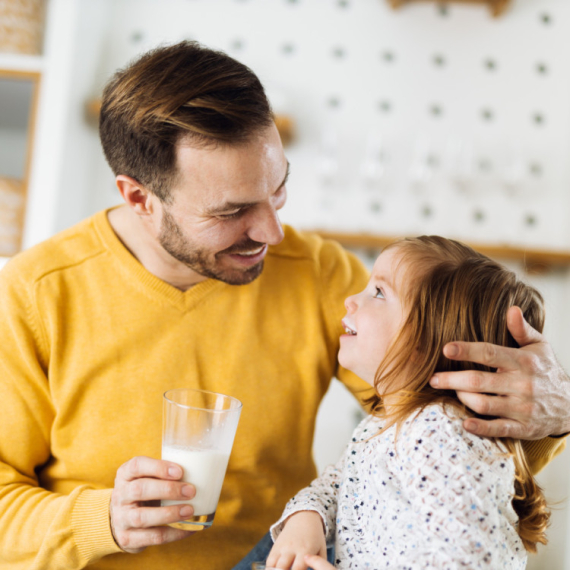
[{"x": 198, "y": 430}]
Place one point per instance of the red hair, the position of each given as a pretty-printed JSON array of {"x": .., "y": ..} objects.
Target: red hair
[{"x": 453, "y": 293}]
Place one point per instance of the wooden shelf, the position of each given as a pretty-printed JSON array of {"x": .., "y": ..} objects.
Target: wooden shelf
[
  {"x": 534, "y": 260},
  {"x": 497, "y": 7},
  {"x": 25, "y": 64}
]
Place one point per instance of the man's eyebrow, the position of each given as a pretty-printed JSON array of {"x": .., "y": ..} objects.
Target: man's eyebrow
[{"x": 228, "y": 206}]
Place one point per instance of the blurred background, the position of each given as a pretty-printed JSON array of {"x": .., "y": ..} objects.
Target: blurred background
[{"x": 425, "y": 117}]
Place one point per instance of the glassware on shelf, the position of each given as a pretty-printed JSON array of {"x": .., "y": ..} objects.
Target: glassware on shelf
[
  {"x": 422, "y": 168},
  {"x": 458, "y": 164}
]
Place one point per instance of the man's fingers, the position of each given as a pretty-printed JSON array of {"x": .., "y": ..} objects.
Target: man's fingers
[
  {"x": 482, "y": 353},
  {"x": 156, "y": 489},
  {"x": 499, "y": 406},
  {"x": 143, "y": 466},
  {"x": 149, "y": 517},
  {"x": 473, "y": 381},
  {"x": 495, "y": 428},
  {"x": 136, "y": 540},
  {"x": 522, "y": 332}
]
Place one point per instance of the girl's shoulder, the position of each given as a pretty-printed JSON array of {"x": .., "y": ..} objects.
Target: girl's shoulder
[{"x": 437, "y": 430}]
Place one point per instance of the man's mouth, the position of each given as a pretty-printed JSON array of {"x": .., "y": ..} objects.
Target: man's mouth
[{"x": 249, "y": 253}]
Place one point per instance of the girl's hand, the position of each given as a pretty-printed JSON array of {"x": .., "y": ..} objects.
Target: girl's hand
[
  {"x": 318, "y": 563},
  {"x": 302, "y": 534}
]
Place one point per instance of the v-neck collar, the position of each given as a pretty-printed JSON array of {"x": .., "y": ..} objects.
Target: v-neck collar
[{"x": 143, "y": 279}]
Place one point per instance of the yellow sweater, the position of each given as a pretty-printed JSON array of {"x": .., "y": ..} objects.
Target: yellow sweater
[{"x": 90, "y": 340}]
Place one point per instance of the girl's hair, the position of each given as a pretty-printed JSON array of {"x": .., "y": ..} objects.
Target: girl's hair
[{"x": 454, "y": 293}]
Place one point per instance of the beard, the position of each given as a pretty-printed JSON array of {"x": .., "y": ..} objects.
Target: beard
[{"x": 172, "y": 239}]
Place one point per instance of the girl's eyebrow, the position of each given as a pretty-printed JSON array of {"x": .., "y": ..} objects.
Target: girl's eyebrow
[{"x": 383, "y": 279}]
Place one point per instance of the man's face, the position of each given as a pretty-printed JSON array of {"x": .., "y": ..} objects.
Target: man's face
[{"x": 223, "y": 212}]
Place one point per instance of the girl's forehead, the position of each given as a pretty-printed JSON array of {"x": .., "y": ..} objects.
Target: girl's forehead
[
  {"x": 388, "y": 263},
  {"x": 390, "y": 266}
]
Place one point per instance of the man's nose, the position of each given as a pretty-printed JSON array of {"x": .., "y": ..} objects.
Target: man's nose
[{"x": 266, "y": 226}]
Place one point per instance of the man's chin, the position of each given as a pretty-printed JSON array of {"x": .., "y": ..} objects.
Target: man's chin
[{"x": 239, "y": 276}]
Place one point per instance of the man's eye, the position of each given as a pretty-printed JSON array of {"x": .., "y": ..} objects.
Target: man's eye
[
  {"x": 379, "y": 293},
  {"x": 230, "y": 215}
]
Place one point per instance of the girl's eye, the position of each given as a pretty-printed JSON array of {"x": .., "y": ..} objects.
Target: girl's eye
[{"x": 379, "y": 294}]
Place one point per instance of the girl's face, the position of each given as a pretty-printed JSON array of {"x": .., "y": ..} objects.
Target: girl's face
[{"x": 374, "y": 318}]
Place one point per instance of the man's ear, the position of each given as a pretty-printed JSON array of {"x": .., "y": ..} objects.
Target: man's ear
[{"x": 135, "y": 195}]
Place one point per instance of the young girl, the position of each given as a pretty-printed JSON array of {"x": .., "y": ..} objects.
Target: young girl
[{"x": 413, "y": 488}]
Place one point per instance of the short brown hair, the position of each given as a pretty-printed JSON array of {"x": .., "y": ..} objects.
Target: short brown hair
[
  {"x": 453, "y": 293},
  {"x": 174, "y": 92}
]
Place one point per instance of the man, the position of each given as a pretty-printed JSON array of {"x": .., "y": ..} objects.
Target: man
[{"x": 193, "y": 282}]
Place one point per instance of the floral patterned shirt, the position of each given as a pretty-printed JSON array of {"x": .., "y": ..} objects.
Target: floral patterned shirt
[{"x": 434, "y": 497}]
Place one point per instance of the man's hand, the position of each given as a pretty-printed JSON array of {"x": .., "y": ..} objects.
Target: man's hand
[
  {"x": 302, "y": 534},
  {"x": 141, "y": 483},
  {"x": 529, "y": 393}
]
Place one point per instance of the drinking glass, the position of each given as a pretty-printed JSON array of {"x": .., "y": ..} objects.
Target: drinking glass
[{"x": 198, "y": 430}]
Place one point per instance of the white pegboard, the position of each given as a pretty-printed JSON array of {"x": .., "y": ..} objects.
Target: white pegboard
[{"x": 445, "y": 119}]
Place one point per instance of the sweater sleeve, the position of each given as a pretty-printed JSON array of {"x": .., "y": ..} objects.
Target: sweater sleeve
[
  {"x": 460, "y": 488},
  {"x": 541, "y": 452},
  {"x": 38, "y": 529},
  {"x": 320, "y": 496},
  {"x": 342, "y": 275}
]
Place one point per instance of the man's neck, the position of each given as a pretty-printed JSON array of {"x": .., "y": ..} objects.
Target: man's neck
[{"x": 145, "y": 248}]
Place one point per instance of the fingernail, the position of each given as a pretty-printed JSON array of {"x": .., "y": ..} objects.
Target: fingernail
[
  {"x": 434, "y": 381},
  {"x": 452, "y": 350},
  {"x": 470, "y": 425},
  {"x": 175, "y": 472},
  {"x": 186, "y": 511},
  {"x": 187, "y": 490}
]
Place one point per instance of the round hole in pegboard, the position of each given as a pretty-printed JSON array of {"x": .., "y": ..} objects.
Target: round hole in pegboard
[
  {"x": 538, "y": 119},
  {"x": 385, "y": 106},
  {"x": 137, "y": 36},
  {"x": 542, "y": 68},
  {"x": 530, "y": 220},
  {"x": 435, "y": 110},
  {"x": 490, "y": 64},
  {"x": 443, "y": 10},
  {"x": 439, "y": 60},
  {"x": 288, "y": 48},
  {"x": 485, "y": 165},
  {"x": 334, "y": 102},
  {"x": 338, "y": 52},
  {"x": 426, "y": 211},
  {"x": 292, "y": 1},
  {"x": 545, "y": 18},
  {"x": 432, "y": 160},
  {"x": 388, "y": 56},
  {"x": 375, "y": 207},
  {"x": 479, "y": 216},
  {"x": 535, "y": 169},
  {"x": 487, "y": 114},
  {"x": 237, "y": 44},
  {"x": 343, "y": 3}
]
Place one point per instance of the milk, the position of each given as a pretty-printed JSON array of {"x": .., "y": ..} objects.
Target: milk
[{"x": 205, "y": 469}]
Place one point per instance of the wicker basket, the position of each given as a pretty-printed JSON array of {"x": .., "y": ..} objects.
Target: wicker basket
[
  {"x": 21, "y": 26},
  {"x": 11, "y": 215}
]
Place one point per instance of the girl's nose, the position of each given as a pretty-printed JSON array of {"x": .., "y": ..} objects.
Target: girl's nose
[{"x": 350, "y": 304}]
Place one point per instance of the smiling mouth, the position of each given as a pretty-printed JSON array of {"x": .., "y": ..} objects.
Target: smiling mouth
[
  {"x": 250, "y": 253},
  {"x": 348, "y": 330}
]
